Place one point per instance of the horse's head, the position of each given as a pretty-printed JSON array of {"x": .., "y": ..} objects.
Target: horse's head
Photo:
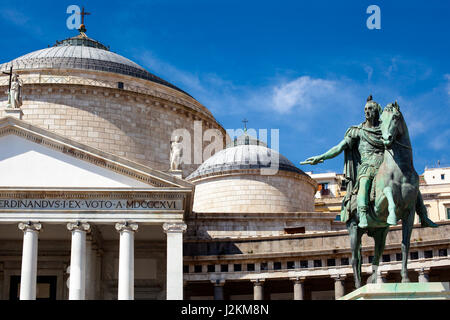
[{"x": 391, "y": 123}]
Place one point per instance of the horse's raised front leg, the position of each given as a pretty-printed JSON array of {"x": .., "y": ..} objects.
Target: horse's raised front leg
[
  {"x": 380, "y": 241},
  {"x": 407, "y": 225},
  {"x": 355, "y": 235},
  {"x": 392, "y": 218}
]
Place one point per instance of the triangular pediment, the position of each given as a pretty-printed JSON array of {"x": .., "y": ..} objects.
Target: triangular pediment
[{"x": 34, "y": 157}]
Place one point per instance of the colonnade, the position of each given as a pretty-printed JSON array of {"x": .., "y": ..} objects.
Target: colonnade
[{"x": 77, "y": 283}]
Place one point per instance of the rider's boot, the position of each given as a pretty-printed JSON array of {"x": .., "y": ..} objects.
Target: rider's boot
[
  {"x": 423, "y": 214},
  {"x": 362, "y": 213}
]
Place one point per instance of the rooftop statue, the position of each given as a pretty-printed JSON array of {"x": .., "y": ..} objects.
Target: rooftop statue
[{"x": 382, "y": 184}]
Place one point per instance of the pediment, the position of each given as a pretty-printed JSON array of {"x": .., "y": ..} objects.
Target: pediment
[{"x": 33, "y": 157}]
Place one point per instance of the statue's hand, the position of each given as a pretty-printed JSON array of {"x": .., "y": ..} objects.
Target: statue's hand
[{"x": 313, "y": 160}]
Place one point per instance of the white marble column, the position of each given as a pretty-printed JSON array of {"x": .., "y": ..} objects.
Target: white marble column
[
  {"x": 218, "y": 288},
  {"x": 258, "y": 289},
  {"x": 299, "y": 288},
  {"x": 339, "y": 289},
  {"x": 174, "y": 287},
  {"x": 126, "y": 260},
  {"x": 77, "y": 282},
  {"x": 423, "y": 274},
  {"x": 28, "y": 274}
]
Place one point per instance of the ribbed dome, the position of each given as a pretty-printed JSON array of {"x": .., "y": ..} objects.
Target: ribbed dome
[
  {"x": 244, "y": 156},
  {"x": 81, "y": 52}
]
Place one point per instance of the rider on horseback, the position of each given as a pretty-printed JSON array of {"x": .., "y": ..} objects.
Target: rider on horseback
[{"x": 364, "y": 149}]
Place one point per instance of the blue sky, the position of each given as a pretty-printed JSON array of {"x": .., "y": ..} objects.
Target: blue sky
[{"x": 303, "y": 67}]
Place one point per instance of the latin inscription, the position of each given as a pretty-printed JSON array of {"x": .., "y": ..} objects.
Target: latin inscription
[{"x": 49, "y": 204}]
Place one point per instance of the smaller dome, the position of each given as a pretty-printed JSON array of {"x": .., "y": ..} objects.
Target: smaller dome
[{"x": 244, "y": 153}]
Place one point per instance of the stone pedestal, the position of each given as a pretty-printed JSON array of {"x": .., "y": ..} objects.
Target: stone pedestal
[
  {"x": 401, "y": 291},
  {"x": 15, "y": 113}
]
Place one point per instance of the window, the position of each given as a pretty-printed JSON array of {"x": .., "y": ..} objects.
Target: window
[
  {"x": 338, "y": 218},
  {"x": 197, "y": 268},
  {"x": 442, "y": 252},
  {"x": 331, "y": 262},
  {"x": 223, "y": 268},
  {"x": 264, "y": 266},
  {"x": 345, "y": 262},
  {"x": 237, "y": 267},
  {"x": 120, "y": 85},
  {"x": 250, "y": 267},
  {"x": 290, "y": 265},
  {"x": 211, "y": 268},
  {"x": 304, "y": 264},
  {"x": 386, "y": 258},
  {"x": 323, "y": 188},
  {"x": 370, "y": 259},
  {"x": 442, "y": 176},
  {"x": 185, "y": 269},
  {"x": 448, "y": 213},
  {"x": 398, "y": 257},
  {"x": 277, "y": 266},
  {"x": 428, "y": 254},
  {"x": 317, "y": 263},
  {"x": 414, "y": 255}
]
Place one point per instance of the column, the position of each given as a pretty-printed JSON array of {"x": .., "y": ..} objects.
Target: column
[
  {"x": 29, "y": 260},
  {"x": 77, "y": 282},
  {"x": 299, "y": 288},
  {"x": 174, "y": 287},
  {"x": 218, "y": 288},
  {"x": 423, "y": 274},
  {"x": 126, "y": 260},
  {"x": 339, "y": 289},
  {"x": 383, "y": 277},
  {"x": 258, "y": 290}
]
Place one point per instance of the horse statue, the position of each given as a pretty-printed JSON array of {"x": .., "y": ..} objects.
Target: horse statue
[
  {"x": 381, "y": 190},
  {"x": 397, "y": 196}
]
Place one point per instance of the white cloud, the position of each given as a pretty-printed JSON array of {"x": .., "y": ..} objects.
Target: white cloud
[{"x": 302, "y": 93}]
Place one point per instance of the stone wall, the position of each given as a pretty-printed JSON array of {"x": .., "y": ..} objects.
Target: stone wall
[{"x": 284, "y": 192}]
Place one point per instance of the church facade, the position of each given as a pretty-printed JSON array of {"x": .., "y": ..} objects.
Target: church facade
[{"x": 93, "y": 205}]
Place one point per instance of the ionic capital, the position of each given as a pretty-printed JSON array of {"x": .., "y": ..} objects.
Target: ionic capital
[
  {"x": 339, "y": 277},
  {"x": 423, "y": 270},
  {"x": 218, "y": 282},
  {"x": 258, "y": 282},
  {"x": 82, "y": 226},
  {"x": 298, "y": 279},
  {"x": 174, "y": 227},
  {"x": 126, "y": 226},
  {"x": 33, "y": 226}
]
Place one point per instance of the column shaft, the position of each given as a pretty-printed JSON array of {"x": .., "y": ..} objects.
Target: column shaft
[
  {"x": 174, "y": 260},
  {"x": 299, "y": 290},
  {"x": 77, "y": 280},
  {"x": 339, "y": 290},
  {"x": 28, "y": 274},
  {"x": 126, "y": 260},
  {"x": 258, "y": 290},
  {"x": 126, "y": 265}
]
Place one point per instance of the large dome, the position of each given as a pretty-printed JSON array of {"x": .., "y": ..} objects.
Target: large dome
[
  {"x": 82, "y": 52},
  {"x": 82, "y": 91}
]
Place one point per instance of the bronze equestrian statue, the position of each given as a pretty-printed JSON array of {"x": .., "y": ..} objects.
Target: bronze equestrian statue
[{"x": 382, "y": 184}]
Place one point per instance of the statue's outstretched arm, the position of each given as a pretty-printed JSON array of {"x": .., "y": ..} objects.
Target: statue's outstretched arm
[{"x": 333, "y": 152}]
